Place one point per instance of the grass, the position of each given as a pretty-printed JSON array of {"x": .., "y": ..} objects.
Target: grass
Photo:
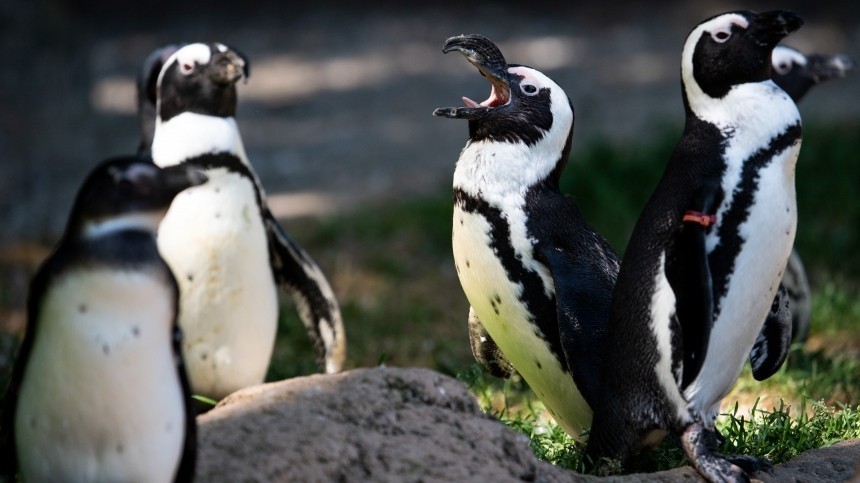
[{"x": 391, "y": 268}]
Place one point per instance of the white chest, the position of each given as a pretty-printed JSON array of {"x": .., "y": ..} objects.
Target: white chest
[
  {"x": 101, "y": 398},
  {"x": 496, "y": 300},
  {"x": 767, "y": 236},
  {"x": 215, "y": 242}
]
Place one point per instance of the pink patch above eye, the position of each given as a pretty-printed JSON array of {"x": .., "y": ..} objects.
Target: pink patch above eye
[{"x": 187, "y": 67}]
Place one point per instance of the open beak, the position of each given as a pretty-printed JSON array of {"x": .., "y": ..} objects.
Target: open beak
[{"x": 483, "y": 54}]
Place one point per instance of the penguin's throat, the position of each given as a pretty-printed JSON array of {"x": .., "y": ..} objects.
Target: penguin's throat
[{"x": 499, "y": 96}]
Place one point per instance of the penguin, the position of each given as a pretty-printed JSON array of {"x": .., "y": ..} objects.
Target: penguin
[
  {"x": 226, "y": 248},
  {"x": 706, "y": 255},
  {"x": 98, "y": 390},
  {"x": 537, "y": 276},
  {"x": 146, "y": 83},
  {"x": 796, "y": 73}
]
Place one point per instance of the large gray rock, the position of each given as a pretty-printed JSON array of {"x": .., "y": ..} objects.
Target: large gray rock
[{"x": 402, "y": 425}]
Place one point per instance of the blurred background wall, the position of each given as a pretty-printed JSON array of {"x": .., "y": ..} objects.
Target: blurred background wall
[{"x": 337, "y": 110}]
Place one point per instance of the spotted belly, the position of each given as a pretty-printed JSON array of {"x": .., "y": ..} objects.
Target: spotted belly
[
  {"x": 214, "y": 240},
  {"x": 497, "y": 300}
]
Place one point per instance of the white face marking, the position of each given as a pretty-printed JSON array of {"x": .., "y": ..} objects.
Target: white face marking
[
  {"x": 783, "y": 58},
  {"x": 109, "y": 332},
  {"x": 717, "y": 28},
  {"x": 147, "y": 221},
  {"x": 188, "y": 58}
]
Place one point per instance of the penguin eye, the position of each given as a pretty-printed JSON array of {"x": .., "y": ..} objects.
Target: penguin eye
[
  {"x": 528, "y": 89},
  {"x": 186, "y": 68},
  {"x": 721, "y": 36},
  {"x": 782, "y": 68}
]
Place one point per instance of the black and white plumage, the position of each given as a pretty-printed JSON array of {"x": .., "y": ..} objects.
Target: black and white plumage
[
  {"x": 796, "y": 73},
  {"x": 147, "y": 85},
  {"x": 537, "y": 276},
  {"x": 706, "y": 256},
  {"x": 229, "y": 253},
  {"x": 99, "y": 391}
]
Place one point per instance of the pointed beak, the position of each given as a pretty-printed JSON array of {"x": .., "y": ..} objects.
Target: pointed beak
[
  {"x": 181, "y": 177},
  {"x": 769, "y": 28},
  {"x": 228, "y": 67},
  {"x": 825, "y": 67},
  {"x": 486, "y": 56}
]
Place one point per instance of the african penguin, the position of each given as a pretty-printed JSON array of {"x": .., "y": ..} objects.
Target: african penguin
[
  {"x": 147, "y": 80},
  {"x": 98, "y": 390},
  {"x": 537, "y": 276},
  {"x": 227, "y": 250},
  {"x": 706, "y": 256},
  {"x": 796, "y": 73}
]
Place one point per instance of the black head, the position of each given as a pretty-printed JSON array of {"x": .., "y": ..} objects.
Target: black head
[
  {"x": 732, "y": 49},
  {"x": 796, "y": 72},
  {"x": 147, "y": 83},
  {"x": 524, "y": 104},
  {"x": 200, "y": 78},
  {"x": 130, "y": 191}
]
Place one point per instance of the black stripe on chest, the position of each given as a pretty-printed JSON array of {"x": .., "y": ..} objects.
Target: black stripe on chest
[
  {"x": 724, "y": 256},
  {"x": 232, "y": 164},
  {"x": 541, "y": 308}
]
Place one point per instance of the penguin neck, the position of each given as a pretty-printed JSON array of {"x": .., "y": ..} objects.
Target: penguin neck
[
  {"x": 146, "y": 221},
  {"x": 190, "y": 134},
  {"x": 498, "y": 171},
  {"x": 761, "y": 108}
]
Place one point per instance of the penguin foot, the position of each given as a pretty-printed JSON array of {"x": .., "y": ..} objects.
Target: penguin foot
[
  {"x": 698, "y": 445},
  {"x": 750, "y": 464}
]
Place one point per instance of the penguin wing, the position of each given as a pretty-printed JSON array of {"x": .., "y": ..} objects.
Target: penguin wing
[
  {"x": 486, "y": 352},
  {"x": 773, "y": 342},
  {"x": 689, "y": 274},
  {"x": 300, "y": 277},
  {"x": 582, "y": 298}
]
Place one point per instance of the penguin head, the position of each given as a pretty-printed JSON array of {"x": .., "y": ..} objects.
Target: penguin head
[
  {"x": 732, "y": 49},
  {"x": 525, "y": 106},
  {"x": 200, "y": 78},
  {"x": 128, "y": 192},
  {"x": 147, "y": 83},
  {"x": 796, "y": 72}
]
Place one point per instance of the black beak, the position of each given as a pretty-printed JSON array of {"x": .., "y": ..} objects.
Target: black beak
[
  {"x": 181, "y": 177},
  {"x": 824, "y": 67},
  {"x": 486, "y": 56},
  {"x": 769, "y": 28},
  {"x": 228, "y": 67}
]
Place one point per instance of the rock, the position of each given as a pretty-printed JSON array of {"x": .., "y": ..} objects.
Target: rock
[
  {"x": 381, "y": 424},
  {"x": 401, "y": 425}
]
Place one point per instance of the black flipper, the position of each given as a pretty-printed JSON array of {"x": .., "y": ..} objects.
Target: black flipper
[
  {"x": 688, "y": 272},
  {"x": 773, "y": 342},
  {"x": 299, "y": 276},
  {"x": 486, "y": 352},
  {"x": 582, "y": 304}
]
